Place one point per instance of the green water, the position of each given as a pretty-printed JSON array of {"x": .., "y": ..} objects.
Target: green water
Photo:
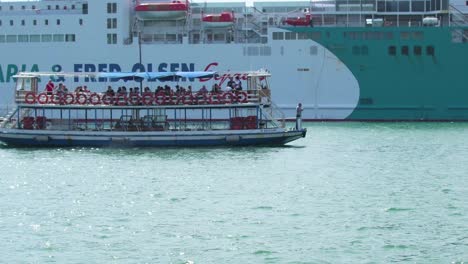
[{"x": 348, "y": 193}]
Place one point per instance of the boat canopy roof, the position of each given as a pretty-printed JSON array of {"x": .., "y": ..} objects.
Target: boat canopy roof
[{"x": 136, "y": 76}]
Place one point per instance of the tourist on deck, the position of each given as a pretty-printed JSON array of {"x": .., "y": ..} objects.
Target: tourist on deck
[
  {"x": 299, "y": 110},
  {"x": 231, "y": 83},
  {"x": 85, "y": 89},
  {"x": 238, "y": 84},
  {"x": 110, "y": 91},
  {"x": 203, "y": 89},
  {"x": 189, "y": 89},
  {"x": 50, "y": 87},
  {"x": 78, "y": 89}
]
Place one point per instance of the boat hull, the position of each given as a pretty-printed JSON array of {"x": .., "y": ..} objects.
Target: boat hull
[{"x": 24, "y": 138}]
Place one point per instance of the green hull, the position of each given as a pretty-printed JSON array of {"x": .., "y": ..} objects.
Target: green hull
[{"x": 398, "y": 76}]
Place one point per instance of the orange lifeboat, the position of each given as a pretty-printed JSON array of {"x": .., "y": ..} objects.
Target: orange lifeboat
[
  {"x": 174, "y": 10},
  {"x": 298, "y": 21},
  {"x": 223, "y": 20}
]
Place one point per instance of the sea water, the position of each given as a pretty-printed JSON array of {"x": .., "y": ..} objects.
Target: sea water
[{"x": 347, "y": 193}]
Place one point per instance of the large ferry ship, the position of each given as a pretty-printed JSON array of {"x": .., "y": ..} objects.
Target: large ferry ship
[{"x": 343, "y": 59}]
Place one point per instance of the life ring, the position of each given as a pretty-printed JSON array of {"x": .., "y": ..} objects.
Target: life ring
[
  {"x": 242, "y": 97},
  {"x": 228, "y": 98},
  {"x": 30, "y": 98},
  {"x": 147, "y": 99},
  {"x": 200, "y": 98},
  {"x": 159, "y": 98},
  {"x": 181, "y": 99},
  {"x": 95, "y": 99},
  {"x": 168, "y": 100},
  {"x": 134, "y": 99},
  {"x": 122, "y": 99},
  {"x": 81, "y": 99},
  {"x": 55, "y": 98},
  {"x": 107, "y": 99},
  {"x": 42, "y": 98},
  {"x": 212, "y": 99},
  {"x": 68, "y": 98}
]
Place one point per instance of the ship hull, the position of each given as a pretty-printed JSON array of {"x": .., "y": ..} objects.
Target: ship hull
[{"x": 22, "y": 138}]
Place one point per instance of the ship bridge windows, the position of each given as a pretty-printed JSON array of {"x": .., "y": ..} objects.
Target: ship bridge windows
[
  {"x": 46, "y": 38},
  {"x": 11, "y": 8},
  {"x": 112, "y": 38},
  {"x": 430, "y": 50},
  {"x": 302, "y": 35},
  {"x": 11, "y": 38},
  {"x": 111, "y": 23},
  {"x": 35, "y": 38},
  {"x": 360, "y": 50},
  {"x": 290, "y": 35}
]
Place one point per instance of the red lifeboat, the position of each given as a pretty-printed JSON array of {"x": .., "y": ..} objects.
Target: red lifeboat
[
  {"x": 299, "y": 21},
  {"x": 223, "y": 20},
  {"x": 174, "y": 10}
]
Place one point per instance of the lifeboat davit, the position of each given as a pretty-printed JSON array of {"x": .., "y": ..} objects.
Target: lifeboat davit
[
  {"x": 174, "y": 10},
  {"x": 299, "y": 21},
  {"x": 223, "y": 20}
]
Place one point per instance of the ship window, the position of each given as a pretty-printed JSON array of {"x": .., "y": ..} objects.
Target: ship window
[
  {"x": 46, "y": 38},
  {"x": 278, "y": 35},
  {"x": 73, "y": 7},
  {"x": 392, "y": 50},
  {"x": 302, "y": 35},
  {"x": 59, "y": 37},
  {"x": 35, "y": 38},
  {"x": 23, "y": 38},
  {"x": 466, "y": 3},
  {"x": 11, "y": 38},
  {"x": 34, "y": 22},
  {"x": 417, "y": 50},
  {"x": 0, "y": 8},
  {"x": 11, "y": 7},
  {"x": 33, "y": 7},
  {"x": 315, "y": 35},
  {"x": 46, "y": 22},
  {"x": 11, "y": 23},
  {"x": 111, "y": 38},
  {"x": 70, "y": 38},
  {"x": 85, "y": 9},
  {"x": 356, "y": 50},
  {"x": 57, "y": 7},
  {"x": 364, "y": 50},
  {"x": 0, "y": 22},
  {"x": 404, "y": 50},
  {"x": 23, "y": 22},
  {"x": 418, "y": 35},
  {"x": 404, "y": 35},
  {"x": 290, "y": 35},
  {"x": 388, "y": 35},
  {"x": 2, "y": 38},
  {"x": 48, "y": 7},
  {"x": 58, "y": 21},
  {"x": 23, "y": 7},
  {"x": 80, "y": 21},
  {"x": 112, "y": 23},
  {"x": 430, "y": 50},
  {"x": 313, "y": 50},
  {"x": 265, "y": 51},
  {"x": 111, "y": 8}
]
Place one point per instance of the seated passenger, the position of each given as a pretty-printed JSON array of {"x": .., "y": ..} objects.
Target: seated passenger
[
  {"x": 203, "y": 89},
  {"x": 110, "y": 91}
]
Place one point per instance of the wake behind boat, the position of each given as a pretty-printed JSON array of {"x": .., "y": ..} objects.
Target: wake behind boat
[{"x": 146, "y": 117}]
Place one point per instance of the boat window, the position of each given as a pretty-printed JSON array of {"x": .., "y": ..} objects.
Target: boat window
[
  {"x": 70, "y": 38},
  {"x": 23, "y": 22},
  {"x": 265, "y": 51},
  {"x": 430, "y": 51},
  {"x": 34, "y": 22},
  {"x": 111, "y": 8},
  {"x": 2, "y": 38},
  {"x": 57, "y": 7},
  {"x": 404, "y": 50},
  {"x": 49, "y": 7},
  {"x": 314, "y": 35},
  {"x": 302, "y": 35},
  {"x": 46, "y": 38},
  {"x": 35, "y": 38},
  {"x": 356, "y": 50},
  {"x": 290, "y": 35},
  {"x": 11, "y": 38},
  {"x": 73, "y": 7},
  {"x": 392, "y": 51},
  {"x": 417, "y": 50},
  {"x": 111, "y": 38},
  {"x": 278, "y": 35},
  {"x": 388, "y": 35},
  {"x": 23, "y": 7},
  {"x": 33, "y": 7},
  {"x": 59, "y": 37},
  {"x": 23, "y": 38},
  {"x": 11, "y": 7},
  {"x": 11, "y": 23},
  {"x": 58, "y": 22},
  {"x": 46, "y": 22},
  {"x": 0, "y": 22}
]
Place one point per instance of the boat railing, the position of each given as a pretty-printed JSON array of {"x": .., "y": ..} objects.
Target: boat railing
[{"x": 147, "y": 98}]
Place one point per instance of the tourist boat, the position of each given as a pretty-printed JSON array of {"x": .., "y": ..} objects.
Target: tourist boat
[
  {"x": 174, "y": 10},
  {"x": 161, "y": 117},
  {"x": 222, "y": 20}
]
